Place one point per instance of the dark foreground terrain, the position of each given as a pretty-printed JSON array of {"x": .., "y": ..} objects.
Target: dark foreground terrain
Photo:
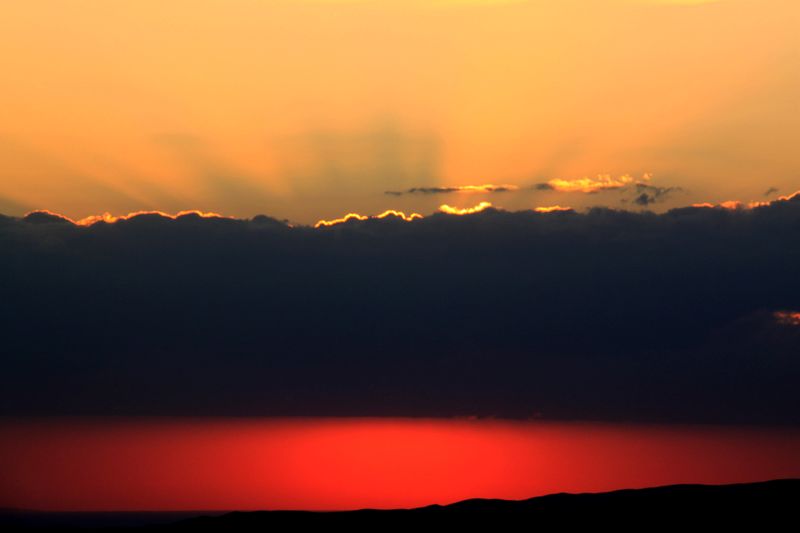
[{"x": 772, "y": 505}]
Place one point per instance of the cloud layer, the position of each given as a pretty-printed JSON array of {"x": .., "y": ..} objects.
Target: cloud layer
[{"x": 688, "y": 316}]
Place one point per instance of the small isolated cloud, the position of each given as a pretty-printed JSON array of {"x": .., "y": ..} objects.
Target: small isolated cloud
[
  {"x": 645, "y": 194},
  {"x": 552, "y": 209},
  {"x": 487, "y": 188},
  {"x": 771, "y": 191},
  {"x": 450, "y": 210},
  {"x": 638, "y": 191},
  {"x": 787, "y": 318},
  {"x": 602, "y": 182}
]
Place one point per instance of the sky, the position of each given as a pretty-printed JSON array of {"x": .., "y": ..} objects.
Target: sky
[
  {"x": 386, "y": 238},
  {"x": 309, "y": 109},
  {"x": 253, "y": 464}
]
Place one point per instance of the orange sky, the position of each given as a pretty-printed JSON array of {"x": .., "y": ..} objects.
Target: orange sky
[{"x": 309, "y": 109}]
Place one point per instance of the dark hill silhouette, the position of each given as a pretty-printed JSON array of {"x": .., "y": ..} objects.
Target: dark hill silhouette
[{"x": 766, "y": 503}]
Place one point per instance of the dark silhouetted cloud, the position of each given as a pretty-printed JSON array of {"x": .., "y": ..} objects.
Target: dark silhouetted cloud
[
  {"x": 645, "y": 194},
  {"x": 685, "y": 316}
]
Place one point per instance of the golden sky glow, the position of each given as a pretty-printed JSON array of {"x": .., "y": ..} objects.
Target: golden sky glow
[{"x": 308, "y": 109}]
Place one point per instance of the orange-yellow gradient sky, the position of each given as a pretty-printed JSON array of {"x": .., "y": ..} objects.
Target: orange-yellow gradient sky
[{"x": 309, "y": 109}]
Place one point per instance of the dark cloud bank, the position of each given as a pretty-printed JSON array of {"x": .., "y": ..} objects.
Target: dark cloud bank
[{"x": 608, "y": 315}]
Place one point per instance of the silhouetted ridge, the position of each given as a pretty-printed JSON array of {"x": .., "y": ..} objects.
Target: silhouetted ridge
[{"x": 768, "y": 501}]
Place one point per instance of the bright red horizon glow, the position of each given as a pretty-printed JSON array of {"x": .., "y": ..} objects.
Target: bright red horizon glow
[{"x": 246, "y": 464}]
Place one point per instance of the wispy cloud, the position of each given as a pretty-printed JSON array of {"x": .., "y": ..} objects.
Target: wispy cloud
[
  {"x": 602, "y": 182},
  {"x": 450, "y": 210},
  {"x": 788, "y": 318},
  {"x": 645, "y": 194},
  {"x": 487, "y": 188},
  {"x": 552, "y": 209},
  {"x": 639, "y": 190}
]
